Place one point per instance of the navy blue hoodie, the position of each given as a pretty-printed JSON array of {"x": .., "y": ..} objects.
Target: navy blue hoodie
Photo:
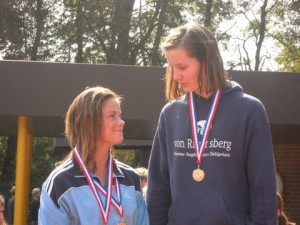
[{"x": 240, "y": 182}]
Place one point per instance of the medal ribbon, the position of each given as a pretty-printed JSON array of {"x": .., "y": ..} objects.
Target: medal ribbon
[
  {"x": 199, "y": 150},
  {"x": 104, "y": 208},
  {"x": 116, "y": 202}
]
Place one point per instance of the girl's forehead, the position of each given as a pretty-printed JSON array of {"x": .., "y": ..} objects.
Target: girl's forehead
[
  {"x": 177, "y": 56},
  {"x": 111, "y": 105}
]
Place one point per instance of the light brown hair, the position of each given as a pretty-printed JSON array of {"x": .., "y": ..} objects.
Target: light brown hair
[
  {"x": 200, "y": 43},
  {"x": 2, "y": 200}
]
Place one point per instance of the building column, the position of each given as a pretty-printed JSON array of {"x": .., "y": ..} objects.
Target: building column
[{"x": 24, "y": 145}]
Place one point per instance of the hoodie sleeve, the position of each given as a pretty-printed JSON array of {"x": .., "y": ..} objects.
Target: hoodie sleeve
[
  {"x": 158, "y": 192},
  {"x": 261, "y": 169}
]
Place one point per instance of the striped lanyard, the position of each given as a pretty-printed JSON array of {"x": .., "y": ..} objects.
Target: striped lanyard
[
  {"x": 106, "y": 192},
  {"x": 201, "y": 142}
]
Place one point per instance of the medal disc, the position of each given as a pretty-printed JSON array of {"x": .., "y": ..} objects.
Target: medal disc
[
  {"x": 122, "y": 223},
  {"x": 198, "y": 175}
]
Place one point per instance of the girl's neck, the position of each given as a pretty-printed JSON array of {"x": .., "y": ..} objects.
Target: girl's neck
[
  {"x": 203, "y": 91},
  {"x": 203, "y": 94},
  {"x": 101, "y": 159},
  {"x": 206, "y": 95}
]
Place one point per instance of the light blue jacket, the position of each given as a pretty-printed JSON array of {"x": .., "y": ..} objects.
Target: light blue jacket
[{"x": 67, "y": 198}]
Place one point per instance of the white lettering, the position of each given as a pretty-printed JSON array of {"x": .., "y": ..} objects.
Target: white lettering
[
  {"x": 219, "y": 154},
  {"x": 178, "y": 154},
  {"x": 213, "y": 148},
  {"x": 190, "y": 143},
  {"x": 179, "y": 144},
  {"x": 192, "y": 155},
  {"x": 220, "y": 144}
]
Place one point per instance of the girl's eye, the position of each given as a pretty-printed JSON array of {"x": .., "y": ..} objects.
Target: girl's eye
[{"x": 179, "y": 68}]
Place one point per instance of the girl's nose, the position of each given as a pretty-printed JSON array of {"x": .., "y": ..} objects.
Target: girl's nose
[{"x": 122, "y": 122}]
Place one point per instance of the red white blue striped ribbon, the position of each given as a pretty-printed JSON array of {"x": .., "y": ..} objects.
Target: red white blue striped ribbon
[
  {"x": 104, "y": 207},
  {"x": 117, "y": 203},
  {"x": 199, "y": 150}
]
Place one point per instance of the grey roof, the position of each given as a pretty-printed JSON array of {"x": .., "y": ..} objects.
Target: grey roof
[{"x": 43, "y": 91}]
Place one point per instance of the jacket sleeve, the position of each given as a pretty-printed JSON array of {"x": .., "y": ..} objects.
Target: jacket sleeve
[
  {"x": 49, "y": 213},
  {"x": 142, "y": 214},
  {"x": 261, "y": 170},
  {"x": 158, "y": 192}
]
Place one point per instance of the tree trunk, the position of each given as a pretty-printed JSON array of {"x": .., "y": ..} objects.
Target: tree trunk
[
  {"x": 262, "y": 31},
  {"x": 39, "y": 19},
  {"x": 207, "y": 20},
  {"x": 79, "y": 28},
  {"x": 121, "y": 26},
  {"x": 161, "y": 20}
]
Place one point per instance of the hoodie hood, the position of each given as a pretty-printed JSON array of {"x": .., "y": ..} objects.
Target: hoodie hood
[{"x": 233, "y": 87}]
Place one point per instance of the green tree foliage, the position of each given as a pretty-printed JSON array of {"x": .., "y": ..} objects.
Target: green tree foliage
[
  {"x": 43, "y": 160},
  {"x": 128, "y": 156},
  {"x": 287, "y": 35},
  {"x": 11, "y": 35},
  {"x": 22, "y": 31},
  {"x": 289, "y": 57},
  {"x": 255, "y": 17},
  {"x": 8, "y": 146},
  {"x": 270, "y": 32},
  {"x": 211, "y": 12},
  {"x": 106, "y": 31}
]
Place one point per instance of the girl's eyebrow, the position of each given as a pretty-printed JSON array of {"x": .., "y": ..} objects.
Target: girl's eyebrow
[
  {"x": 115, "y": 112},
  {"x": 178, "y": 64}
]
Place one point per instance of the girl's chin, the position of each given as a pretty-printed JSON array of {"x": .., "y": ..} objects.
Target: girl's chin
[
  {"x": 187, "y": 90},
  {"x": 119, "y": 141}
]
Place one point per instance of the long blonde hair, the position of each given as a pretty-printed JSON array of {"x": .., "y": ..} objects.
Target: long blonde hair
[
  {"x": 2, "y": 201},
  {"x": 201, "y": 44},
  {"x": 83, "y": 121}
]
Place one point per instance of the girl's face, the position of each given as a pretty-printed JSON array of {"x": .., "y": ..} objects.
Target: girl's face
[
  {"x": 112, "y": 124},
  {"x": 186, "y": 69}
]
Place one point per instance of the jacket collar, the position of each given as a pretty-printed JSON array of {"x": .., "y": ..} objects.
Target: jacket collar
[{"x": 79, "y": 174}]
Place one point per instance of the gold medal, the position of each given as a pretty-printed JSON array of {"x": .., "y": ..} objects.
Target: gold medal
[
  {"x": 122, "y": 223},
  {"x": 198, "y": 175}
]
